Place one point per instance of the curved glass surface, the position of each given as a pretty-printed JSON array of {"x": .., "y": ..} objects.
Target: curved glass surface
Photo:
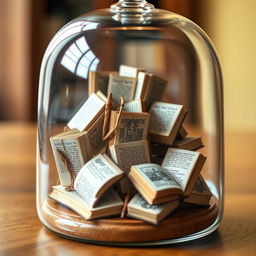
[{"x": 163, "y": 43}]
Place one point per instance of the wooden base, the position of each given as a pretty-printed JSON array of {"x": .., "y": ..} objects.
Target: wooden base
[{"x": 182, "y": 222}]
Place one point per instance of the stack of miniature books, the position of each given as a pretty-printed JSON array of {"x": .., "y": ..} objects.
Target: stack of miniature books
[{"x": 146, "y": 154}]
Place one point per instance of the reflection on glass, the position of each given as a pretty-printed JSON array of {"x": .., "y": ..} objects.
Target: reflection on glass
[{"x": 79, "y": 58}]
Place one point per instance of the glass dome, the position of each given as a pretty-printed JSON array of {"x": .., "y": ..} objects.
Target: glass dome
[{"x": 162, "y": 43}]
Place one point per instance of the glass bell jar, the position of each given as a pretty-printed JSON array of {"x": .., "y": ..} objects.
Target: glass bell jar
[{"x": 105, "y": 76}]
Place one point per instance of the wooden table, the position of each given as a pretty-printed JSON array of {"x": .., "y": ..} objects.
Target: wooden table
[{"x": 23, "y": 234}]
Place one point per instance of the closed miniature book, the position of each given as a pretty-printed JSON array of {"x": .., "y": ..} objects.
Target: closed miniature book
[
  {"x": 132, "y": 126},
  {"x": 121, "y": 86},
  {"x": 177, "y": 176},
  {"x": 189, "y": 143},
  {"x": 200, "y": 195},
  {"x": 108, "y": 205},
  {"x": 149, "y": 88},
  {"x": 78, "y": 148},
  {"x": 165, "y": 122},
  {"x": 89, "y": 112},
  {"x": 98, "y": 81},
  {"x": 129, "y": 71},
  {"x": 96, "y": 177},
  {"x": 138, "y": 208}
]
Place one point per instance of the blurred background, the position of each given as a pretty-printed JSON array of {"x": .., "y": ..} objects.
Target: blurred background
[{"x": 27, "y": 26}]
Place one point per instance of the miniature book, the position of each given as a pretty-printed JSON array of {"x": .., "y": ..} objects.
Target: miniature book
[
  {"x": 96, "y": 177},
  {"x": 108, "y": 205},
  {"x": 149, "y": 88},
  {"x": 138, "y": 208},
  {"x": 121, "y": 86},
  {"x": 177, "y": 176},
  {"x": 188, "y": 143},
  {"x": 129, "y": 71},
  {"x": 98, "y": 81},
  {"x": 135, "y": 106},
  {"x": 182, "y": 133},
  {"x": 184, "y": 166},
  {"x": 90, "y": 111},
  {"x": 78, "y": 147},
  {"x": 165, "y": 121},
  {"x": 201, "y": 194},
  {"x": 132, "y": 126},
  {"x": 128, "y": 154}
]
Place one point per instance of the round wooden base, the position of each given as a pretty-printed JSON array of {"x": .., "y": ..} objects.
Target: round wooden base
[{"x": 182, "y": 222}]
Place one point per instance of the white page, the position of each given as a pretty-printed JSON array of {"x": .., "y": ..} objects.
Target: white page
[{"x": 92, "y": 106}]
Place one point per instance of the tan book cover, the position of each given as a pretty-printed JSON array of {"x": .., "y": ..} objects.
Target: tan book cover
[
  {"x": 98, "y": 81},
  {"x": 149, "y": 88},
  {"x": 96, "y": 177},
  {"x": 78, "y": 147}
]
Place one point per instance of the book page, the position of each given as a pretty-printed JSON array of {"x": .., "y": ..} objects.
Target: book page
[
  {"x": 87, "y": 112},
  {"x": 155, "y": 176},
  {"x": 179, "y": 164},
  {"x": 133, "y": 106},
  {"x": 131, "y": 153},
  {"x": 139, "y": 86},
  {"x": 93, "y": 176},
  {"x": 121, "y": 87},
  {"x": 163, "y": 117},
  {"x": 132, "y": 127},
  {"x": 128, "y": 71},
  {"x": 72, "y": 150}
]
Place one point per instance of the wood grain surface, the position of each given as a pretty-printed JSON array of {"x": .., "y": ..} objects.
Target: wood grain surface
[{"x": 23, "y": 234}]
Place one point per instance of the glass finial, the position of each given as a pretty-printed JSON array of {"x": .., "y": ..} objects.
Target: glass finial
[{"x": 132, "y": 7}]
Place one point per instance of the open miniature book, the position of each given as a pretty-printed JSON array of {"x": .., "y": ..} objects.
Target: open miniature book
[
  {"x": 138, "y": 208},
  {"x": 89, "y": 112},
  {"x": 78, "y": 147},
  {"x": 177, "y": 176},
  {"x": 108, "y": 205},
  {"x": 165, "y": 121},
  {"x": 96, "y": 177},
  {"x": 201, "y": 194}
]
